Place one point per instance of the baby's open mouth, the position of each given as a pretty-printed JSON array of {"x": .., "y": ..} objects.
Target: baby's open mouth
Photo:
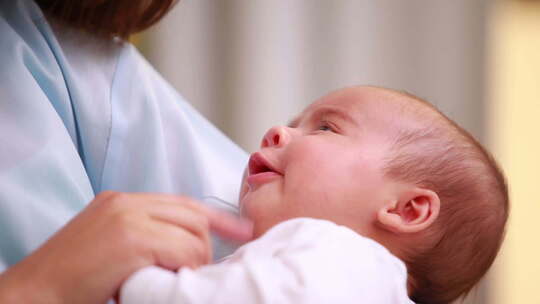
[
  {"x": 261, "y": 171},
  {"x": 258, "y": 164}
]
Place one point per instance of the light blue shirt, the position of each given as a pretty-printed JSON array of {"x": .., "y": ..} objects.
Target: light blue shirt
[{"x": 78, "y": 116}]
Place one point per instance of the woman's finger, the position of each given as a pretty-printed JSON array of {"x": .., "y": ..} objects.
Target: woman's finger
[
  {"x": 195, "y": 222},
  {"x": 225, "y": 224},
  {"x": 175, "y": 248},
  {"x": 229, "y": 226}
]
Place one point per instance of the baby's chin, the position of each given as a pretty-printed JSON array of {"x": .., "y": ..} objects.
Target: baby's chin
[
  {"x": 261, "y": 223},
  {"x": 244, "y": 208}
]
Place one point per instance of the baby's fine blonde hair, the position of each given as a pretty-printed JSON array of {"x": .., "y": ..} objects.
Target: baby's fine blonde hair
[{"x": 467, "y": 235}]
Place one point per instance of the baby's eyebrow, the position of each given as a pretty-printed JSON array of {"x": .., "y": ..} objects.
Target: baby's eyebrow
[
  {"x": 323, "y": 111},
  {"x": 294, "y": 123}
]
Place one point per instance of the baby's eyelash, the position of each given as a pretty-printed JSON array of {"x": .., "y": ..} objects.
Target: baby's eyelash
[{"x": 326, "y": 126}]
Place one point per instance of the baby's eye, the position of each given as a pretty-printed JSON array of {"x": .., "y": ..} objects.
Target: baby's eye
[{"x": 326, "y": 126}]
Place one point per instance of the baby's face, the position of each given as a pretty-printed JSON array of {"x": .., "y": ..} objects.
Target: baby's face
[{"x": 326, "y": 164}]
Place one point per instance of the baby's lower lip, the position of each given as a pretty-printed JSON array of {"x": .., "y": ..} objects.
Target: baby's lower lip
[{"x": 261, "y": 178}]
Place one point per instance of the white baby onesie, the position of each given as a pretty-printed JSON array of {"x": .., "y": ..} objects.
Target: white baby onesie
[{"x": 298, "y": 261}]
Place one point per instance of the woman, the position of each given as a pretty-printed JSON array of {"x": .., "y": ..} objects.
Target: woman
[{"x": 82, "y": 112}]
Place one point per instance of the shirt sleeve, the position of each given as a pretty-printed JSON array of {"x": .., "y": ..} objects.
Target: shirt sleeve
[
  {"x": 43, "y": 181},
  {"x": 298, "y": 261},
  {"x": 80, "y": 115}
]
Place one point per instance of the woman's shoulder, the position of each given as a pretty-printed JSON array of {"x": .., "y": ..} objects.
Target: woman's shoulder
[
  {"x": 89, "y": 58},
  {"x": 67, "y": 64}
]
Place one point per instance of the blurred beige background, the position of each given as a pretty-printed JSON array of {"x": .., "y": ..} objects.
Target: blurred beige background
[{"x": 251, "y": 64}]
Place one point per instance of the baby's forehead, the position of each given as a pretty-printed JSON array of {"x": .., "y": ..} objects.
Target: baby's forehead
[{"x": 364, "y": 104}]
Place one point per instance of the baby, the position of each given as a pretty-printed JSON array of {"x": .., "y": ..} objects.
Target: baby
[{"x": 369, "y": 196}]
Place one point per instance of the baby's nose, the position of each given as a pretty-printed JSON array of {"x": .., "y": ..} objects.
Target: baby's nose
[{"x": 275, "y": 137}]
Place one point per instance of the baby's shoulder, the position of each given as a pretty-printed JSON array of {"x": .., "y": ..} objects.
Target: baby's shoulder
[
  {"x": 330, "y": 258},
  {"x": 322, "y": 238}
]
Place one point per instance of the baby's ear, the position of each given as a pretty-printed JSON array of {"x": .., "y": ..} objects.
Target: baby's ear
[{"x": 413, "y": 211}]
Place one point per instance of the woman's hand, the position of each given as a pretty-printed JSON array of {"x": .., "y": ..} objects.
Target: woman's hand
[{"x": 115, "y": 235}]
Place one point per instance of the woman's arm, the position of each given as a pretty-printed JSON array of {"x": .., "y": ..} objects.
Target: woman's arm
[{"x": 115, "y": 235}]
